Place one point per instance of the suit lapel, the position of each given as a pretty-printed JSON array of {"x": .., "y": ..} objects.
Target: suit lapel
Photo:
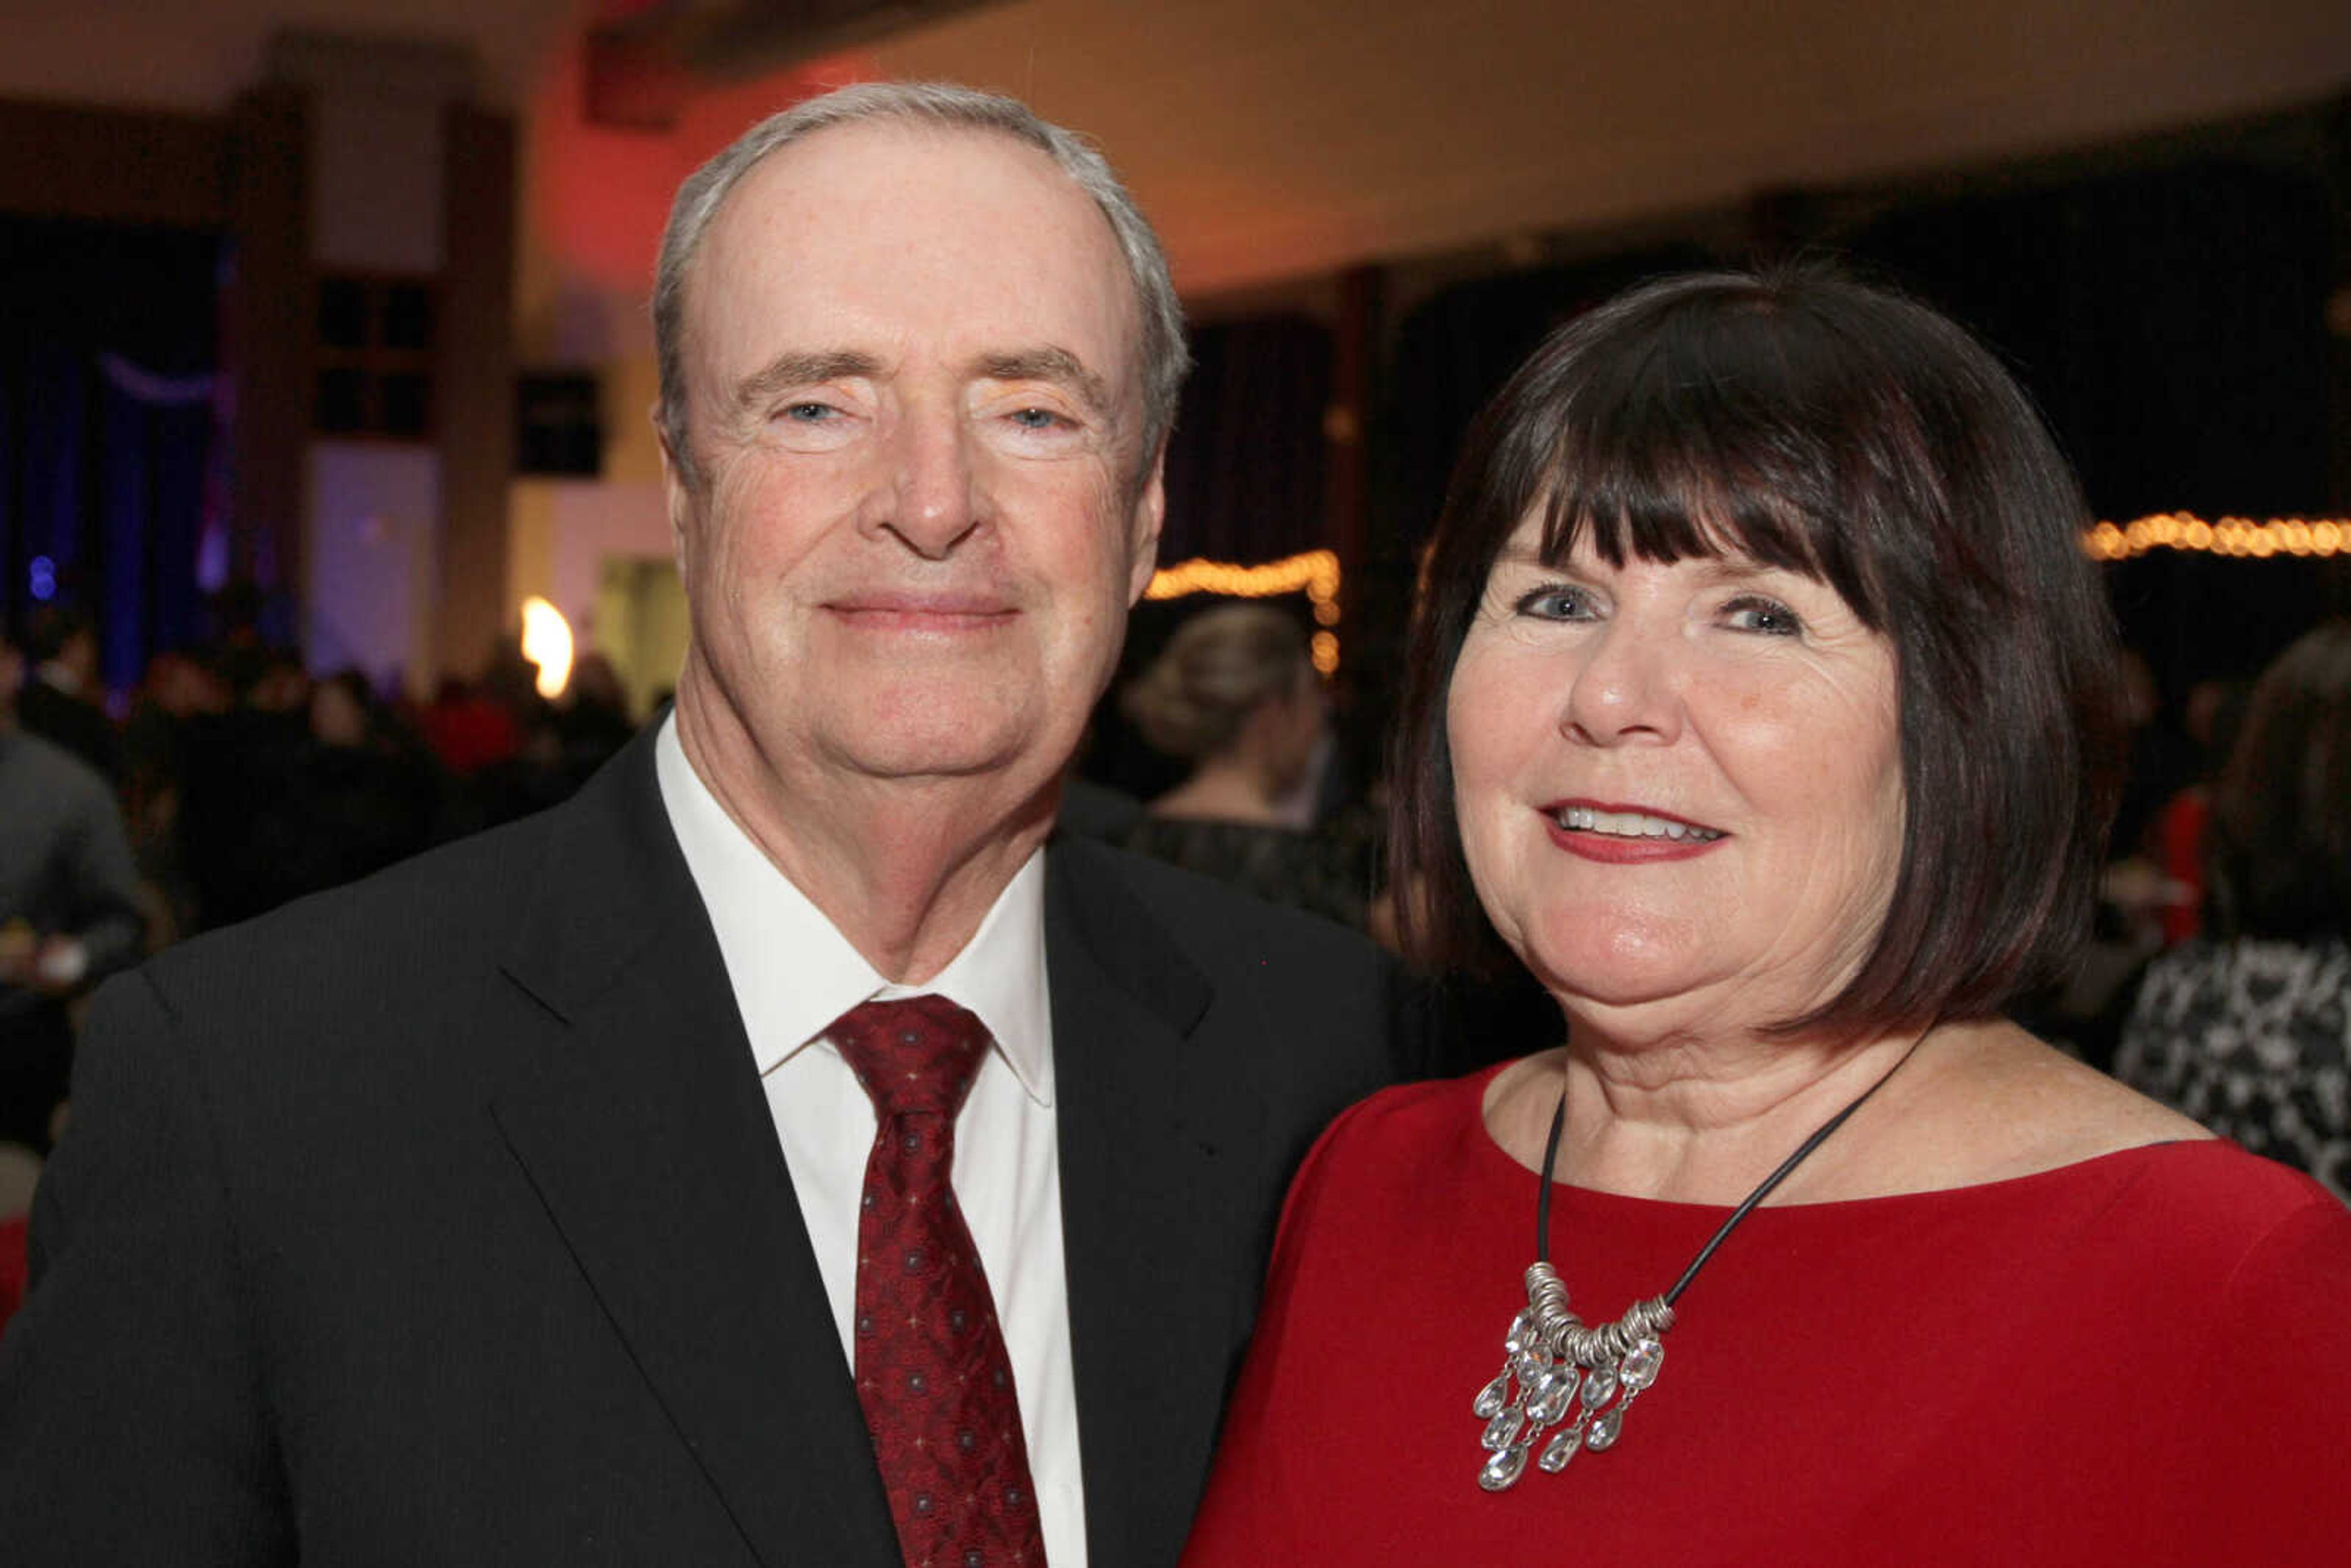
[
  {"x": 1153, "y": 1145},
  {"x": 639, "y": 1121}
]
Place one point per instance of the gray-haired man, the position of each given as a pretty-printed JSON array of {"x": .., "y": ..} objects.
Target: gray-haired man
[{"x": 523, "y": 1206}]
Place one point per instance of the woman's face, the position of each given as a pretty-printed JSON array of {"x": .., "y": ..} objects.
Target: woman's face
[{"x": 1679, "y": 785}]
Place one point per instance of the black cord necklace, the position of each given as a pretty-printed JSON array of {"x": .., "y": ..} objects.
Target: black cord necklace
[{"x": 1554, "y": 1364}]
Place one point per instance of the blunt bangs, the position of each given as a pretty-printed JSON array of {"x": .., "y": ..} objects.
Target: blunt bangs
[{"x": 1686, "y": 444}]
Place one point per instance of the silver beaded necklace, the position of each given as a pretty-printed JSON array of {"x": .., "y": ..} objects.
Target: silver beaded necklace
[{"x": 1557, "y": 1372}]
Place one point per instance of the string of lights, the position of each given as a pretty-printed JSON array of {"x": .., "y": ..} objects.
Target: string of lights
[
  {"x": 1314, "y": 573},
  {"x": 2242, "y": 537}
]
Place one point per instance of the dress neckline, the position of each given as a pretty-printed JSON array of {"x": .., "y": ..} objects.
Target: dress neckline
[{"x": 2120, "y": 1165}]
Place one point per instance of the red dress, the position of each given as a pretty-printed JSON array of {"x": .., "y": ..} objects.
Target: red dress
[{"x": 2144, "y": 1358}]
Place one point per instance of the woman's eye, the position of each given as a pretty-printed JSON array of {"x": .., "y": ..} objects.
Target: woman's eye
[
  {"x": 1752, "y": 612},
  {"x": 1556, "y": 602}
]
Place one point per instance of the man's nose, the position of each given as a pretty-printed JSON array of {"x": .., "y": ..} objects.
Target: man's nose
[{"x": 929, "y": 492}]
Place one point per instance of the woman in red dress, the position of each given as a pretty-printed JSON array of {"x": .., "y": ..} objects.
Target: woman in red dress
[{"x": 1762, "y": 702}]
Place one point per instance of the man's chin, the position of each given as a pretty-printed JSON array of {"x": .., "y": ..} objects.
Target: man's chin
[{"x": 945, "y": 749}]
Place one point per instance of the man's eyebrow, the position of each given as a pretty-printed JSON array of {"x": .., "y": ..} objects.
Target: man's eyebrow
[
  {"x": 787, "y": 370},
  {"x": 1058, "y": 366}
]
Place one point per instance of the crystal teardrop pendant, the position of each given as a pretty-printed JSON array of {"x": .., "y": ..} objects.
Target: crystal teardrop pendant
[
  {"x": 1559, "y": 1450},
  {"x": 1504, "y": 1467},
  {"x": 1641, "y": 1366},
  {"x": 1503, "y": 1429},
  {"x": 1605, "y": 1427},
  {"x": 1492, "y": 1397}
]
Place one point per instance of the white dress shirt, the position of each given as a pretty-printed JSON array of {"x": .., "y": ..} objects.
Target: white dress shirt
[{"x": 793, "y": 974}]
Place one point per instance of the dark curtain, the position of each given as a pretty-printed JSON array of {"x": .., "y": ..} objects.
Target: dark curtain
[
  {"x": 2172, "y": 325},
  {"x": 106, "y": 426},
  {"x": 1452, "y": 354},
  {"x": 1245, "y": 469}
]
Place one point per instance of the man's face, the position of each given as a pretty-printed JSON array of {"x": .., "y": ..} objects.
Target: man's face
[{"x": 922, "y": 507}]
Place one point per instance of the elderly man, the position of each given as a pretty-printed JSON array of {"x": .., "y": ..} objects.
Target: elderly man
[{"x": 775, "y": 1156}]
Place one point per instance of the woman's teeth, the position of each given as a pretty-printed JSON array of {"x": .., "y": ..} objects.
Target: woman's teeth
[{"x": 1630, "y": 825}]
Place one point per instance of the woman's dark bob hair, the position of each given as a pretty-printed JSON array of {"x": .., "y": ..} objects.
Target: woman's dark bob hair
[
  {"x": 2280, "y": 854},
  {"x": 1819, "y": 425}
]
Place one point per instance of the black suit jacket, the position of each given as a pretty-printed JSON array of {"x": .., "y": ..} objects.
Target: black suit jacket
[{"x": 441, "y": 1220}]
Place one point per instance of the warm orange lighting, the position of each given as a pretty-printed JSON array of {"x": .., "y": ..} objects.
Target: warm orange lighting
[
  {"x": 546, "y": 642},
  {"x": 2230, "y": 536},
  {"x": 1315, "y": 573}
]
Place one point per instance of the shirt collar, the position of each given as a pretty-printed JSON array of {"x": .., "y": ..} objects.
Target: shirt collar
[{"x": 793, "y": 972}]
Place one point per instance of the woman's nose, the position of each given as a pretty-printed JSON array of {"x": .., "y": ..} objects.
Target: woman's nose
[{"x": 1626, "y": 689}]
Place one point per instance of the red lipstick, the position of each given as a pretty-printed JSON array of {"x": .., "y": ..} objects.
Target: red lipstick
[{"x": 1601, "y": 832}]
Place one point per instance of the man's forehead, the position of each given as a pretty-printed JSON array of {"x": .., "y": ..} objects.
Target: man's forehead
[
  {"x": 970, "y": 227},
  {"x": 817, "y": 189}
]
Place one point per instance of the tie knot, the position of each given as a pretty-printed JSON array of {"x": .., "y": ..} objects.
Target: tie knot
[{"x": 916, "y": 1054}]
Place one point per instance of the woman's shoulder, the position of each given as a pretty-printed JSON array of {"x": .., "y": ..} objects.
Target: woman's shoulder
[
  {"x": 1393, "y": 1176},
  {"x": 2216, "y": 1238},
  {"x": 1999, "y": 1103},
  {"x": 2213, "y": 1185},
  {"x": 1388, "y": 1140},
  {"x": 1427, "y": 1110}
]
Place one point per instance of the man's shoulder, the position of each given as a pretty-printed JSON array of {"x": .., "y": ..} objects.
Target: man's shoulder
[
  {"x": 451, "y": 907},
  {"x": 1328, "y": 992}
]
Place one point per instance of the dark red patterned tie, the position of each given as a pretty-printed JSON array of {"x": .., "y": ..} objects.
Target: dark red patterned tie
[{"x": 932, "y": 1370}]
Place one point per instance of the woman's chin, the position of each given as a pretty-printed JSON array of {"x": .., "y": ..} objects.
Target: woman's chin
[{"x": 1623, "y": 971}]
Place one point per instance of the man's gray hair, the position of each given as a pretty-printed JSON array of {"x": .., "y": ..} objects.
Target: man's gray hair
[{"x": 948, "y": 106}]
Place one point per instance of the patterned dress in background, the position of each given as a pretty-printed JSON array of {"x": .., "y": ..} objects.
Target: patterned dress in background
[
  {"x": 1331, "y": 871},
  {"x": 2252, "y": 1038}
]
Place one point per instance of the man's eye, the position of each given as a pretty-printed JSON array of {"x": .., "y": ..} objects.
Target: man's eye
[
  {"x": 1037, "y": 419},
  {"x": 1556, "y": 602},
  {"x": 810, "y": 413},
  {"x": 1752, "y": 612}
]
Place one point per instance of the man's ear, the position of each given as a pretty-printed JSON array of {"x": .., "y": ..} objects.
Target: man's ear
[
  {"x": 677, "y": 493},
  {"x": 1150, "y": 514}
]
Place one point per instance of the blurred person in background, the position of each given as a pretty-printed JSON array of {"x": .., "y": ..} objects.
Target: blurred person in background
[
  {"x": 2213, "y": 714},
  {"x": 2249, "y": 1028},
  {"x": 70, "y": 911},
  {"x": 593, "y": 722},
  {"x": 362, "y": 796},
  {"x": 240, "y": 766},
  {"x": 181, "y": 691},
  {"x": 1234, "y": 695},
  {"x": 63, "y": 701}
]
